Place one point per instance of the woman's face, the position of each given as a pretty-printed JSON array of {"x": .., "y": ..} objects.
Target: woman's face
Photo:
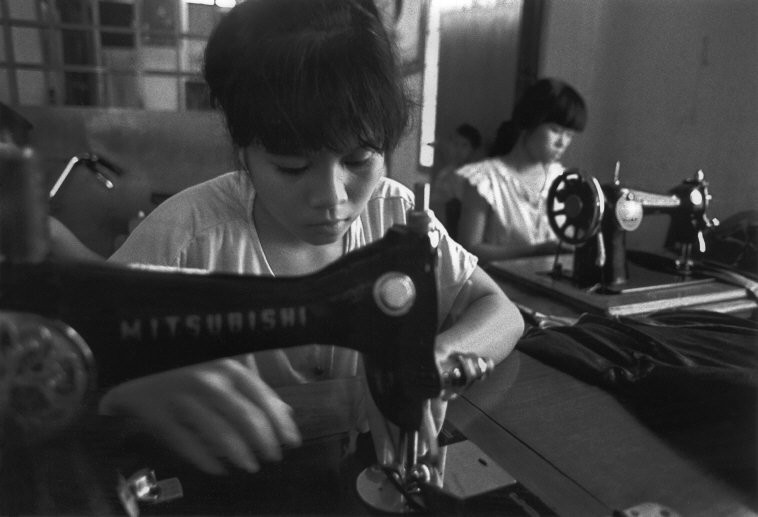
[
  {"x": 459, "y": 149},
  {"x": 312, "y": 198},
  {"x": 548, "y": 141}
]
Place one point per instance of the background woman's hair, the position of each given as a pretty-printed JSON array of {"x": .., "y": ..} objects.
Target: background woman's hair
[
  {"x": 545, "y": 101},
  {"x": 471, "y": 134},
  {"x": 302, "y": 75}
]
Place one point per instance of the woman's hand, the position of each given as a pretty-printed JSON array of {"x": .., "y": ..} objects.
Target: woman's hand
[{"x": 212, "y": 415}]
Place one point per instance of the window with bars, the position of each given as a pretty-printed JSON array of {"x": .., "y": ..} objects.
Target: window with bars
[{"x": 143, "y": 54}]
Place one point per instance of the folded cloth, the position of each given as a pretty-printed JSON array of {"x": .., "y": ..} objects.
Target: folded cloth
[
  {"x": 672, "y": 355},
  {"x": 691, "y": 376}
]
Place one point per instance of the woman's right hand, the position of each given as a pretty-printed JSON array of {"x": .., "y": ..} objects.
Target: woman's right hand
[{"x": 212, "y": 415}]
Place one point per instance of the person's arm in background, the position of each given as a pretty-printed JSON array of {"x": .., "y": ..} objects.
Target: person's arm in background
[
  {"x": 472, "y": 226},
  {"x": 65, "y": 245}
]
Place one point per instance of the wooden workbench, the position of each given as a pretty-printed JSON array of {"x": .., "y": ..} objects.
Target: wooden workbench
[{"x": 585, "y": 452}]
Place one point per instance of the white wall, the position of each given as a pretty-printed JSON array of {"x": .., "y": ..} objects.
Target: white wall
[
  {"x": 403, "y": 165},
  {"x": 478, "y": 67},
  {"x": 477, "y": 77},
  {"x": 672, "y": 87}
]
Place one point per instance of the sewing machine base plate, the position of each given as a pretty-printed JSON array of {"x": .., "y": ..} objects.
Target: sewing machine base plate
[
  {"x": 377, "y": 491},
  {"x": 646, "y": 291},
  {"x": 473, "y": 484}
]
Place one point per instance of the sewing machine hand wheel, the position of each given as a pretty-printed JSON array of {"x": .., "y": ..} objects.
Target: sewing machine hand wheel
[
  {"x": 575, "y": 206},
  {"x": 46, "y": 377}
]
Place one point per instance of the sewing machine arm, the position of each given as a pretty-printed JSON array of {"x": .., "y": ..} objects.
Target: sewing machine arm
[{"x": 379, "y": 300}]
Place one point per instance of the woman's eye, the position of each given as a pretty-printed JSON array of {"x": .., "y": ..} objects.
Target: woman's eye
[
  {"x": 357, "y": 163},
  {"x": 292, "y": 170},
  {"x": 291, "y": 166},
  {"x": 358, "y": 160}
]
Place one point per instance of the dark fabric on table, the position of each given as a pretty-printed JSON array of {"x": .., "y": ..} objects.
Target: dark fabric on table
[
  {"x": 681, "y": 353},
  {"x": 690, "y": 375}
]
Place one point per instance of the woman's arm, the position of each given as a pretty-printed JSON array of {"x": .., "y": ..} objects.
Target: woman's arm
[
  {"x": 482, "y": 321},
  {"x": 65, "y": 245},
  {"x": 471, "y": 227}
]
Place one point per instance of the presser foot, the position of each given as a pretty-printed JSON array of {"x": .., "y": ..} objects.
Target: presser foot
[{"x": 377, "y": 489}]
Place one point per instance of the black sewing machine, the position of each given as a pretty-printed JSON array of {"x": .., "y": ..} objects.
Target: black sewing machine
[
  {"x": 70, "y": 330},
  {"x": 602, "y": 275},
  {"x": 595, "y": 219}
]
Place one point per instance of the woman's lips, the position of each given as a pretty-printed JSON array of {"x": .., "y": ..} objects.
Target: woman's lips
[{"x": 330, "y": 226}]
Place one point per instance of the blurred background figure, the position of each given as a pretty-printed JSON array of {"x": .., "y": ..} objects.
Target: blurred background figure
[
  {"x": 460, "y": 148},
  {"x": 14, "y": 129}
]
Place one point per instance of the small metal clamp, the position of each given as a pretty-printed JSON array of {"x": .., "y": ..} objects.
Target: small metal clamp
[{"x": 144, "y": 487}]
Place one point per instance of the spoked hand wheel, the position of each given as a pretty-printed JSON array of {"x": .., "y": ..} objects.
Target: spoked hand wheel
[
  {"x": 575, "y": 206},
  {"x": 46, "y": 375}
]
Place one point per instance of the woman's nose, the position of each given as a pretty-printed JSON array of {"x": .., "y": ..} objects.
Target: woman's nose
[{"x": 328, "y": 188}]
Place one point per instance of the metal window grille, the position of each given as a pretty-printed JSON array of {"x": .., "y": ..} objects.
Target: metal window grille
[{"x": 143, "y": 54}]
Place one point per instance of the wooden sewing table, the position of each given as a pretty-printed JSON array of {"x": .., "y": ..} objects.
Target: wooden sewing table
[{"x": 578, "y": 448}]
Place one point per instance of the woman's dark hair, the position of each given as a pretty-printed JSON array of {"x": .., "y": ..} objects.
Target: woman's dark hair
[
  {"x": 303, "y": 75},
  {"x": 545, "y": 101},
  {"x": 471, "y": 134}
]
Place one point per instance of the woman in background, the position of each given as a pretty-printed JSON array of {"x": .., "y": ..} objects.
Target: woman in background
[
  {"x": 446, "y": 187},
  {"x": 504, "y": 200}
]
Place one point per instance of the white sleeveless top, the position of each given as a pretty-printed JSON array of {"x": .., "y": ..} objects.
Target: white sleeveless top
[{"x": 518, "y": 218}]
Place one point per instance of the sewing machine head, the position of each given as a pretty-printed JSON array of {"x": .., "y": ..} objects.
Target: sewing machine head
[
  {"x": 67, "y": 328},
  {"x": 595, "y": 218},
  {"x": 74, "y": 319}
]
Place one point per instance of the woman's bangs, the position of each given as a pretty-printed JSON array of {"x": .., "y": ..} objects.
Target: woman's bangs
[
  {"x": 569, "y": 113},
  {"x": 333, "y": 99}
]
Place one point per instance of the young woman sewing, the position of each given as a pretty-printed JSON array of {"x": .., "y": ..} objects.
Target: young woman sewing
[{"x": 313, "y": 102}]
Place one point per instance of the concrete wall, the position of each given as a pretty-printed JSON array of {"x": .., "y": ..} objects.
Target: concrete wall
[
  {"x": 672, "y": 87},
  {"x": 160, "y": 153},
  {"x": 478, "y": 67},
  {"x": 478, "y": 56}
]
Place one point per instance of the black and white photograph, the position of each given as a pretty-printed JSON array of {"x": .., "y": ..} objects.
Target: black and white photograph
[{"x": 379, "y": 257}]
